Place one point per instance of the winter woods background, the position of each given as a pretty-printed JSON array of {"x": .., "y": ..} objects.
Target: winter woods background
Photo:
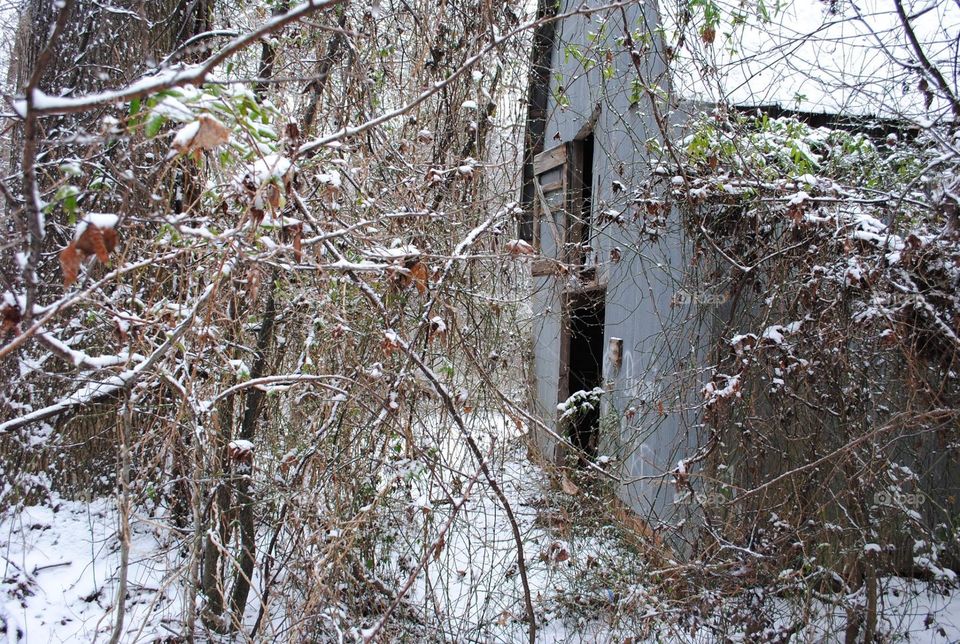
[
  {"x": 266, "y": 340},
  {"x": 255, "y": 270}
]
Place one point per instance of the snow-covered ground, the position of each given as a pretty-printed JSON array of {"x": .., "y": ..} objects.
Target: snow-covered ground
[
  {"x": 59, "y": 575},
  {"x": 60, "y": 567}
]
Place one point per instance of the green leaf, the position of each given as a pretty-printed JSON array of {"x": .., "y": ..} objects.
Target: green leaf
[
  {"x": 71, "y": 169},
  {"x": 762, "y": 7},
  {"x": 134, "y": 106},
  {"x": 154, "y": 125},
  {"x": 70, "y": 204},
  {"x": 636, "y": 91},
  {"x": 264, "y": 133},
  {"x": 66, "y": 192}
]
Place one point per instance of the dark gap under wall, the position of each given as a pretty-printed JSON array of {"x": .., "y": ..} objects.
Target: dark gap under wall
[{"x": 538, "y": 96}]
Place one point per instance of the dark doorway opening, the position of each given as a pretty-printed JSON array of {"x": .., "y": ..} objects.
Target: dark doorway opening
[{"x": 585, "y": 367}]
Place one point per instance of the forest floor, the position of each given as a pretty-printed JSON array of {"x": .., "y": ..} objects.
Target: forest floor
[{"x": 60, "y": 562}]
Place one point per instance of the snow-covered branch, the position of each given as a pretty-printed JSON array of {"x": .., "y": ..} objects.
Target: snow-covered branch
[
  {"x": 40, "y": 103},
  {"x": 95, "y": 391}
]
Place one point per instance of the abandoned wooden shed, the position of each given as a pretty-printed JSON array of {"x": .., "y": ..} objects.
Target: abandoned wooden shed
[{"x": 623, "y": 330}]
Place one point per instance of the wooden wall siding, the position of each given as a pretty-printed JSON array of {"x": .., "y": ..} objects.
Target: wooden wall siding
[{"x": 549, "y": 208}]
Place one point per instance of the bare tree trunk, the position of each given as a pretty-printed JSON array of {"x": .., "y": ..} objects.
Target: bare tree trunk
[
  {"x": 268, "y": 56},
  {"x": 244, "y": 487},
  {"x": 119, "y": 604},
  {"x": 211, "y": 580},
  {"x": 319, "y": 82}
]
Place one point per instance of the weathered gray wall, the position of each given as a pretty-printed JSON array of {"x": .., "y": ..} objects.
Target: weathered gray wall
[{"x": 662, "y": 354}]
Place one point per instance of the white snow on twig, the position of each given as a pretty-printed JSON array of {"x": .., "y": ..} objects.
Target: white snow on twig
[
  {"x": 713, "y": 392},
  {"x": 147, "y": 85},
  {"x": 81, "y": 359},
  {"x": 399, "y": 252}
]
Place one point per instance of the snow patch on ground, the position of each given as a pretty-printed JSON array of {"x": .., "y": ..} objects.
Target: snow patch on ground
[{"x": 59, "y": 575}]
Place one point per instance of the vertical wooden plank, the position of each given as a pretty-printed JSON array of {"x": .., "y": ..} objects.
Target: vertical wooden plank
[
  {"x": 575, "y": 201},
  {"x": 563, "y": 384}
]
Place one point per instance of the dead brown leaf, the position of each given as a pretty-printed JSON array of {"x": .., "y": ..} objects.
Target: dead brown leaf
[
  {"x": 93, "y": 241},
  {"x": 206, "y": 133},
  {"x": 9, "y": 318},
  {"x": 420, "y": 273},
  {"x": 568, "y": 486},
  {"x": 519, "y": 247}
]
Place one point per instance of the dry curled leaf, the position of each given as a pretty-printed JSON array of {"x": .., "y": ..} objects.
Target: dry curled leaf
[
  {"x": 414, "y": 273},
  {"x": 70, "y": 263},
  {"x": 288, "y": 462},
  {"x": 568, "y": 486},
  {"x": 95, "y": 237},
  {"x": 297, "y": 242},
  {"x": 556, "y": 552},
  {"x": 438, "y": 329},
  {"x": 292, "y": 131},
  {"x": 420, "y": 274},
  {"x": 240, "y": 451},
  {"x": 795, "y": 213},
  {"x": 121, "y": 329},
  {"x": 9, "y": 318},
  {"x": 519, "y": 247},
  {"x": 206, "y": 133},
  {"x": 270, "y": 193},
  {"x": 391, "y": 342}
]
